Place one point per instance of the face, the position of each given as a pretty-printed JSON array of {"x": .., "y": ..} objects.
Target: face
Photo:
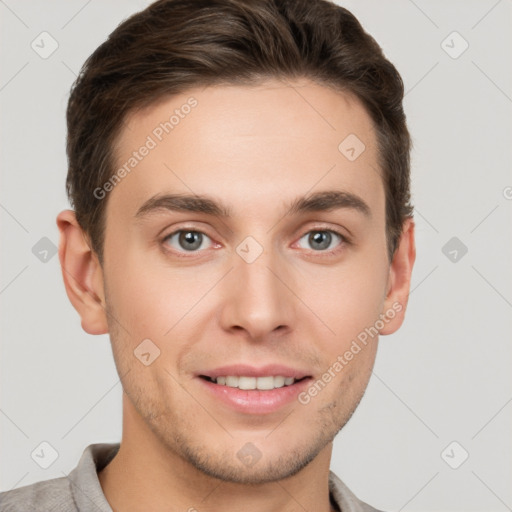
[{"x": 264, "y": 275}]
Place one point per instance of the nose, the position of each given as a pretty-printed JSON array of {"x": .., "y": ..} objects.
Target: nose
[{"x": 257, "y": 298}]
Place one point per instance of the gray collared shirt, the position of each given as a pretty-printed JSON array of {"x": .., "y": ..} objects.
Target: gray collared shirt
[{"x": 81, "y": 491}]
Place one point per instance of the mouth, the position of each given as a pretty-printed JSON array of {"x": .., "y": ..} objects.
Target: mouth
[
  {"x": 245, "y": 382},
  {"x": 253, "y": 391}
]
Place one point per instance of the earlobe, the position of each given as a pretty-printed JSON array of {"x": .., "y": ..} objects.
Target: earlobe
[
  {"x": 399, "y": 282},
  {"x": 82, "y": 274}
]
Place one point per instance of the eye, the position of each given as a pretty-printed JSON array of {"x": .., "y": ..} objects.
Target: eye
[
  {"x": 187, "y": 240},
  {"x": 321, "y": 240}
]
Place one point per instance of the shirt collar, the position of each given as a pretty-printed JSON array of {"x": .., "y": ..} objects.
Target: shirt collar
[{"x": 85, "y": 484}]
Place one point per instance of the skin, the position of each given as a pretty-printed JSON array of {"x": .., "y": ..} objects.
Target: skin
[{"x": 255, "y": 149}]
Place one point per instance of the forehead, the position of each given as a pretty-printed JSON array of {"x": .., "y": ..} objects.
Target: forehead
[{"x": 252, "y": 145}]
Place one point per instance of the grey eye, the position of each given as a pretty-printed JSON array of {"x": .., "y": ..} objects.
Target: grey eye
[
  {"x": 187, "y": 240},
  {"x": 320, "y": 240}
]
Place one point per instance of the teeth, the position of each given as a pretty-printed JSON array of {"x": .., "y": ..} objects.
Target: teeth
[
  {"x": 263, "y": 383},
  {"x": 279, "y": 382},
  {"x": 247, "y": 382},
  {"x": 232, "y": 382}
]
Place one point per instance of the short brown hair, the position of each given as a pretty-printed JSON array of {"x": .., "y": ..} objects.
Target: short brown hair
[{"x": 174, "y": 45}]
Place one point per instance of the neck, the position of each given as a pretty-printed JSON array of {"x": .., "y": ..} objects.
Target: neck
[{"x": 146, "y": 475}]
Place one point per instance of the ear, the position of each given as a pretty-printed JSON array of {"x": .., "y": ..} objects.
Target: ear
[
  {"x": 82, "y": 274},
  {"x": 399, "y": 280}
]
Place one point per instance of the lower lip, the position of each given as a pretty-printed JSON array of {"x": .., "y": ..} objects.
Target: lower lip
[{"x": 256, "y": 401}]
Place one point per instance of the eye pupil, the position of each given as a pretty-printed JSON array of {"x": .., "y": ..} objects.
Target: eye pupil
[
  {"x": 190, "y": 240},
  {"x": 322, "y": 238}
]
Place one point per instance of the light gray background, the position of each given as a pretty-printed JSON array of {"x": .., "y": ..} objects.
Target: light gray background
[{"x": 445, "y": 376}]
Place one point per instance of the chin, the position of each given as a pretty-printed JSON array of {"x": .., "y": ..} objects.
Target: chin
[
  {"x": 229, "y": 467},
  {"x": 255, "y": 462}
]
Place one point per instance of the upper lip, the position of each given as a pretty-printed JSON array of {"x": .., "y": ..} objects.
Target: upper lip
[{"x": 245, "y": 370}]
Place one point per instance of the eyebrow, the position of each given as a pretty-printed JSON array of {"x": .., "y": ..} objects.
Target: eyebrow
[
  {"x": 329, "y": 200},
  {"x": 316, "y": 202}
]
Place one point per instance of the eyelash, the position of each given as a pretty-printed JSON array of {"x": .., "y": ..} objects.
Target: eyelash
[{"x": 343, "y": 241}]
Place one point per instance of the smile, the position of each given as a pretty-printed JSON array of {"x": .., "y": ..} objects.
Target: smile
[
  {"x": 249, "y": 383},
  {"x": 254, "y": 391}
]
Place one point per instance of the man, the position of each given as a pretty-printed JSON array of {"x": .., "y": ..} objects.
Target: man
[{"x": 242, "y": 229}]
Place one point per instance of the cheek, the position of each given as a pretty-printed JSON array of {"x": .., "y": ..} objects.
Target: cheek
[
  {"x": 346, "y": 299},
  {"x": 149, "y": 296}
]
